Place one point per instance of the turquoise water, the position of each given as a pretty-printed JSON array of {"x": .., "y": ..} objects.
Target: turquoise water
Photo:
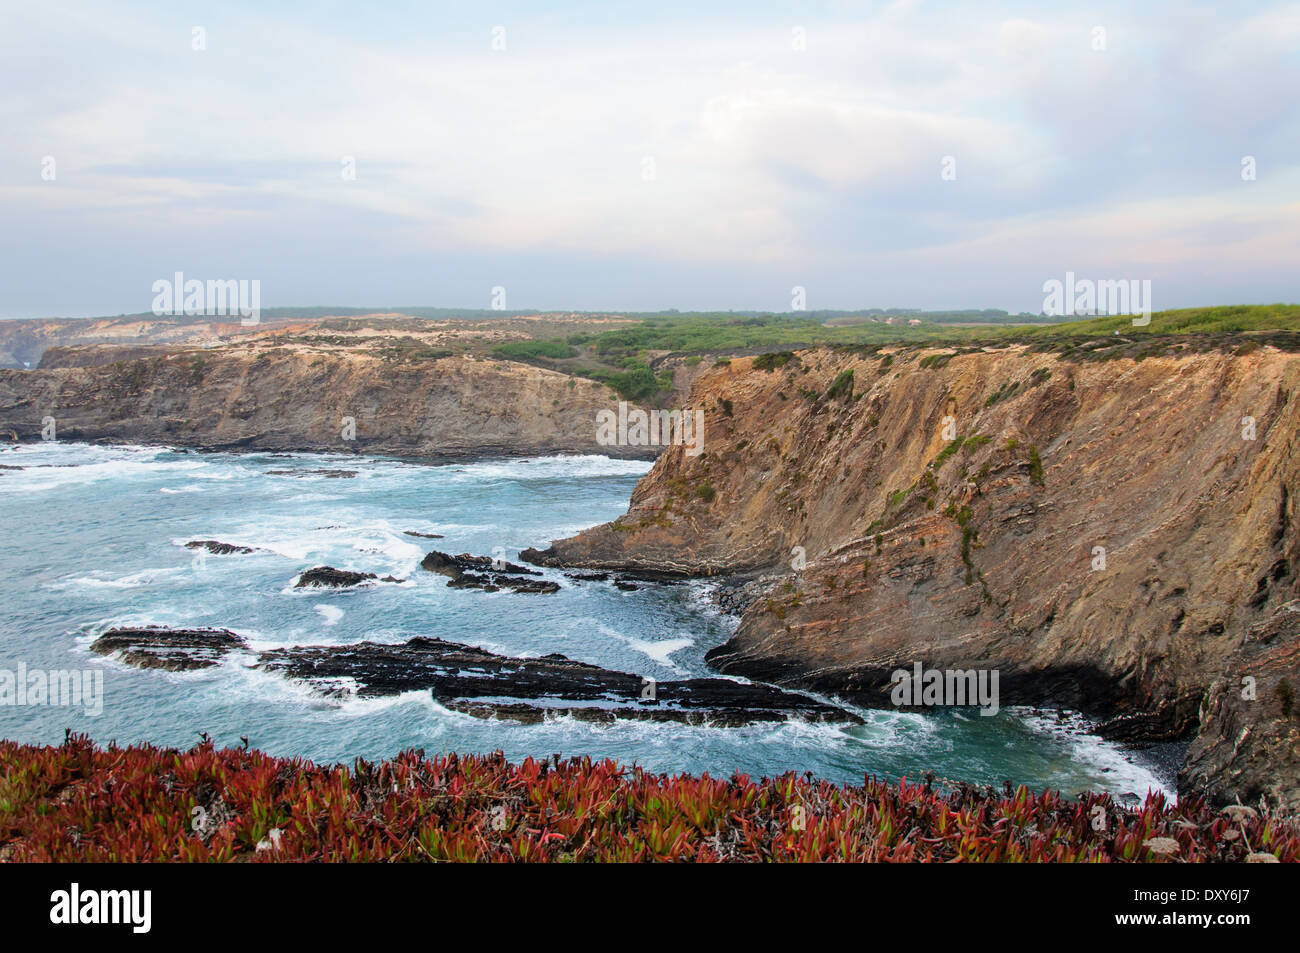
[{"x": 94, "y": 537}]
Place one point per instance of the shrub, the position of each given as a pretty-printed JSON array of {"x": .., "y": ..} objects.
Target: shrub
[
  {"x": 1005, "y": 392},
  {"x": 1035, "y": 466},
  {"x": 842, "y": 385},
  {"x": 531, "y": 350},
  {"x": 948, "y": 451},
  {"x": 774, "y": 360},
  {"x": 635, "y": 383}
]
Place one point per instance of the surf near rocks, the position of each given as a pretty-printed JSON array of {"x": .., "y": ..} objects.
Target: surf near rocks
[{"x": 479, "y": 683}]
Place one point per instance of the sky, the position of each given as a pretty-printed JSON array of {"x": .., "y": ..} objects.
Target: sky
[{"x": 645, "y": 156}]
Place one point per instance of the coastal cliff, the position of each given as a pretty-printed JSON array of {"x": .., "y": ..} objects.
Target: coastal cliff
[
  {"x": 1114, "y": 535},
  {"x": 287, "y": 398}
]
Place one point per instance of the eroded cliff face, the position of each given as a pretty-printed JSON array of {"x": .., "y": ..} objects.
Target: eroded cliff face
[
  {"x": 981, "y": 545},
  {"x": 296, "y": 399},
  {"x": 24, "y": 342}
]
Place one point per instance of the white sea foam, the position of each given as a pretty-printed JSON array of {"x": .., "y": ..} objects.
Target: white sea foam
[
  {"x": 660, "y": 649},
  {"x": 331, "y": 614},
  {"x": 103, "y": 580},
  {"x": 1097, "y": 756},
  {"x": 39, "y": 478},
  {"x": 376, "y": 543},
  {"x": 546, "y": 468}
]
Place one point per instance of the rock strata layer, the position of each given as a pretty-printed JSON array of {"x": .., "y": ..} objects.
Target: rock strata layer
[
  {"x": 294, "y": 398},
  {"x": 1106, "y": 534}
]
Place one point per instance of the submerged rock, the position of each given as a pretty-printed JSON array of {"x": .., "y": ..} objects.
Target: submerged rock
[
  {"x": 412, "y": 532},
  {"x": 330, "y": 474},
  {"x": 176, "y": 650},
  {"x": 218, "y": 548}
]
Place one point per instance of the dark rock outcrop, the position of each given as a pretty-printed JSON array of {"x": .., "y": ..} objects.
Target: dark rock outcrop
[
  {"x": 327, "y": 577},
  {"x": 479, "y": 682},
  {"x": 218, "y": 548},
  {"x": 484, "y": 572},
  {"x": 176, "y": 650},
  {"x": 330, "y": 474}
]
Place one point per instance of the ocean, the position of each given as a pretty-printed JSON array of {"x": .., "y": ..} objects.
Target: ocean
[{"x": 94, "y": 537}]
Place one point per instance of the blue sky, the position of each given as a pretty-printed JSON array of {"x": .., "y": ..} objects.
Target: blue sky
[{"x": 646, "y": 156}]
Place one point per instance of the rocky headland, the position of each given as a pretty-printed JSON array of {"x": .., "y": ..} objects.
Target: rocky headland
[
  {"x": 1112, "y": 532},
  {"x": 292, "y": 398}
]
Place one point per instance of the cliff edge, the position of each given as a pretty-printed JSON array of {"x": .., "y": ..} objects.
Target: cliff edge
[
  {"x": 297, "y": 399},
  {"x": 1112, "y": 535}
]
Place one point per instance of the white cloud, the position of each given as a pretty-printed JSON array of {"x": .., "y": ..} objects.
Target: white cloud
[{"x": 762, "y": 153}]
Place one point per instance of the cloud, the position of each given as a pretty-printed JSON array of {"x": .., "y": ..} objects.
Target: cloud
[{"x": 701, "y": 143}]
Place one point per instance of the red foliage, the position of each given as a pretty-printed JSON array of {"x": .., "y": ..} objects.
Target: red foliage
[{"x": 78, "y": 802}]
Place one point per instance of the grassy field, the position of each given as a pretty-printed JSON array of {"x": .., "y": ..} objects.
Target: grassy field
[
  {"x": 626, "y": 357},
  {"x": 1228, "y": 319},
  {"x": 635, "y": 354},
  {"x": 79, "y": 802}
]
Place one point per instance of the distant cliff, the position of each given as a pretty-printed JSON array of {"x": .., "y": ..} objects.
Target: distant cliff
[
  {"x": 23, "y": 343},
  {"x": 1117, "y": 536},
  {"x": 285, "y": 398}
]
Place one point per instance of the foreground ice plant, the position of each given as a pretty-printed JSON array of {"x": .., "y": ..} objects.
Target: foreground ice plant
[{"x": 80, "y": 802}]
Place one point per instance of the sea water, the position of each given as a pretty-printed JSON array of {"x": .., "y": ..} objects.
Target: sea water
[{"x": 93, "y": 537}]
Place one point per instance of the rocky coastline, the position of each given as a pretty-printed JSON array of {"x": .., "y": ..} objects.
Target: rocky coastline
[
  {"x": 1115, "y": 537},
  {"x": 290, "y": 400}
]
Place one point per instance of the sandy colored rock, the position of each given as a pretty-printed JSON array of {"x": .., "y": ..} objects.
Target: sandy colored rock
[
  {"x": 989, "y": 555},
  {"x": 285, "y": 398}
]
